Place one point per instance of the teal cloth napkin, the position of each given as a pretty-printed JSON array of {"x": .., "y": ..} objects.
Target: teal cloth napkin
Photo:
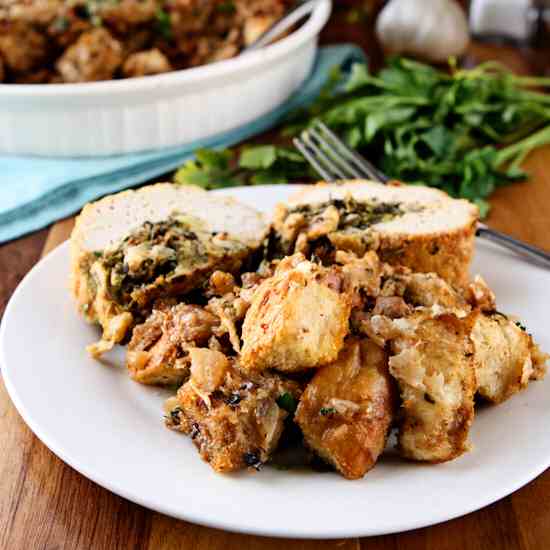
[{"x": 36, "y": 191}]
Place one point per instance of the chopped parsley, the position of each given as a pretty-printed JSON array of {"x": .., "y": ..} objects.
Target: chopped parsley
[
  {"x": 226, "y": 7},
  {"x": 164, "y": 24},
  {"x": 327, "y": 411},
  {"x": 287, "y": 402}
]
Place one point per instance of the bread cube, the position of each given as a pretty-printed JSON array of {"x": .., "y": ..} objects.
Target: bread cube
[
  {"x": 298, "y": 318},
  {"x": 234, "y": 419},
  {"x": 346, "y": 410},
  {"x": 434, "y": 366},
  {"x": 504, "y": 362}
]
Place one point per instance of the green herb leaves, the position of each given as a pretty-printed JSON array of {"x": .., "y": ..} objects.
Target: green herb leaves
[
  {"x": 424, "y": 126},
  {"x": 164, "y": 24},
  {"x": 214, "y": 169},
  {"x": 263, "y": 157},
  {"x": 465, "y": 132},
  {"x": 271, "y": 164},
  {"x": 227, "y": 7},
  {"x": 210, "y": 170},
  {"x": 287, "y": 402}
]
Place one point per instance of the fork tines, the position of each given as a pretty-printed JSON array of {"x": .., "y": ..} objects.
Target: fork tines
[{"x": 331, "y": 158}]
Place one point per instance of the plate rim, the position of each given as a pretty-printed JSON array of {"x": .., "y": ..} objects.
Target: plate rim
[{"x": 280, "y": 531}]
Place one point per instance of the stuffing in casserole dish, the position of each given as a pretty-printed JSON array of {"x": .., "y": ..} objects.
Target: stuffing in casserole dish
[{"x": 57, "y": 41}]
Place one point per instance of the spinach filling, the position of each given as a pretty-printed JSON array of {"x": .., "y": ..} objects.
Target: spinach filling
[
  {"x": 159, "y": 253},
  {"x": 353, "y": 214},
  {"x": 334, "y": 224}
]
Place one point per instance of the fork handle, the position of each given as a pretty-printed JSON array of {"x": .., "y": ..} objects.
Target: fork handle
[{"x": 527, "y": 250}]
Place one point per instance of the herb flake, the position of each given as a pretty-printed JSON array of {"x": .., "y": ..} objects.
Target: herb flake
[
  {"x": 287, "y": 402},
  {"x": 164, "y": 24}
]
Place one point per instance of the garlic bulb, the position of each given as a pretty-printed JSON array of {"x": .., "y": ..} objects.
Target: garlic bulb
[{"x": 430, "y": 29}]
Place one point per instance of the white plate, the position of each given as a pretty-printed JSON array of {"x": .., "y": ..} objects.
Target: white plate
[{"x": 110, "y": 429}]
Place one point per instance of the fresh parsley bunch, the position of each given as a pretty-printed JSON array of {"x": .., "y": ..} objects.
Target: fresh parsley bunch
[
  {"x": 463, "y": 131},
  {"x": 260, "y": 164}
]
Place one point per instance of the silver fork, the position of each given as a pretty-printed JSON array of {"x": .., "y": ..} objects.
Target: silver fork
[{"x": 333, "y": 160}]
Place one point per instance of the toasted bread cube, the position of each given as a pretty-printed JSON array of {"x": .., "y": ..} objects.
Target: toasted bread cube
[
  {"x": 96, "y": 55},
  {"x": 235, "y": 420},
  {"x": 346, "y": 410},
  {"x": 503, "y": 349},
  {"x": 298, "y": 318},
  {"x": 435, "y": 369}
]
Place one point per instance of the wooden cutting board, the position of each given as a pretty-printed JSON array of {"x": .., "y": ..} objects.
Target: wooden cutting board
[{"x": 46, "y": 504}]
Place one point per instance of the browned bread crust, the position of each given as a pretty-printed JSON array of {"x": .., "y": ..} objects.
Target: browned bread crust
[{"x": 449, "y": 254}]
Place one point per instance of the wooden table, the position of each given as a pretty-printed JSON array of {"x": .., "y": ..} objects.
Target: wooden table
[{"x": 45, "y": 504}]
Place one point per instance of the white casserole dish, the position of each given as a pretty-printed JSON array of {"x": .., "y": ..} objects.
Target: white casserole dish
[{"x": 152, "y": 112}]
